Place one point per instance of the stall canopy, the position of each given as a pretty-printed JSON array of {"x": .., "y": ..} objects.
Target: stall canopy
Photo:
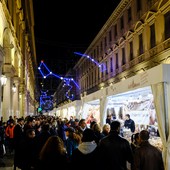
[{"x": 156, "y": 78}]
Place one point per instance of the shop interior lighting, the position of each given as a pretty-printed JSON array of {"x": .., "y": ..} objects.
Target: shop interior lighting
[{"x": 132, "y": 96}]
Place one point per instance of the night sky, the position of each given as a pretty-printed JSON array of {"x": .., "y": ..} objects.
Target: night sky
[{"x": 65, "y": 27}]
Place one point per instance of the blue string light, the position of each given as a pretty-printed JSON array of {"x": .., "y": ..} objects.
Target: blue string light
[
  {"x": 45, "y": 101},
  {"x": 101, "y": 66},
  {"x": 67, "y": 81}
]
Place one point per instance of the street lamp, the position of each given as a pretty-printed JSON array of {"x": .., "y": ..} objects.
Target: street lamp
[{"x": 3, "y": 80}]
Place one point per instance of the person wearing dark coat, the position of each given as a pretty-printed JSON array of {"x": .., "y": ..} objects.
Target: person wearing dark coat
[
  {"x": 27, "y": 151},
  {"x": 114, "y": 150},
  {"x": 147, "y": 156},
  {"x": 18, "y": 137},
  {"x": 86, "y": 154},
  {"x": 2, "y": 141},
  {"x": 129, "y": 123},
  {"x": 42, "y": 137}
]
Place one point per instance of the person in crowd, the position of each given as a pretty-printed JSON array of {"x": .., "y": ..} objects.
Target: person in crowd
[
  {"x": 86, "y": 154},
  {"x": 61, "y": 130},
  {"x": 18, "y": 137},
  {"x": 26, "y": 153},
  {"x": 82, "y": 126},
  {"x": 92, "y": 123},
  {"x": 98, "y": 132},
  {"x": 71, "y": 121},
  {"x": 72, "y": 141},
  {"x": 147, "y": 156},
  {"x": 109, "y": 119},
  {"x": 53, "y": 155},
  {"x": 2, "y": 141},
  {"x": 114, "y": 150},
  {"x": 75, "y": 124},
  {"x": 135, "y": 141},
  {"x": 9, "y": 132},
  {"x": 10, "y": 120},
  {"x": 53, "y": 128},
  {"x": 37, "y": 126},
  {"x": 106, "y": 129},
  {"x": 121, "y": 120},
  {"x": 29, "y": 124},
  {"x": 42, "y": 137},
  {"x": 129, "y": 123}
]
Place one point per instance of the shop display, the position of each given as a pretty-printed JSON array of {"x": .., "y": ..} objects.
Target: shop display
[
  {"x": 156, "y": 141},
  {"x": 93, "y": 114}
]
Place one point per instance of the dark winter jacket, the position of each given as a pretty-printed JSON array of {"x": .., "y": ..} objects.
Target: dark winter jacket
[
  {"x": 148, "y": 157},
  {"x": 114, "y": 152}
]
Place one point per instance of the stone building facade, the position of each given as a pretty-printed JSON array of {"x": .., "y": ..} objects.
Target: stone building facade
[{"x": 17, "y": 59}]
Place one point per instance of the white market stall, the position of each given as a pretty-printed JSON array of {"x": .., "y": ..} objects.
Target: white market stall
[
  {"x": 138, "y": 103},
  {"x": 93, "y": 105},
  {"x": 158, "y": 79},
  {"x": 70, "y": 109},
  {"x": 91, "y": 111},
  {"x": 156, "y": 82}
]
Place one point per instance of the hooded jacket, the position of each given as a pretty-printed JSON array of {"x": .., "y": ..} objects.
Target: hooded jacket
[{"x": 85, "y": 155}]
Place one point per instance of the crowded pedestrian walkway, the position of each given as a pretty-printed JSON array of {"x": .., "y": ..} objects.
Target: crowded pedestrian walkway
[{"x": 43, "y": 142}]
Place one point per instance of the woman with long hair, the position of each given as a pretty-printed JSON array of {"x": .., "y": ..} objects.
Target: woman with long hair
[{"x": 53, "y": 154}]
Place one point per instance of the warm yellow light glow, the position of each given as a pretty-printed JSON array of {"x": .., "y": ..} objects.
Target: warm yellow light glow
[{"x": 3, "y": 80}]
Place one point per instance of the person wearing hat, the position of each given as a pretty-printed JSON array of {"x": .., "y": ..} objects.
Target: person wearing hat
[
  {"x": 72, "y": 141},
  {"x": 87, "y": 152},
  {"x": 147, "y": 156}
]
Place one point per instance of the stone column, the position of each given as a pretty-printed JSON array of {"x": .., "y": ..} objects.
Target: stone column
[
  {"x": 15, "y": 102},
  {"x": 1, "y": 63},
  {"x": 8, "y": 71}
]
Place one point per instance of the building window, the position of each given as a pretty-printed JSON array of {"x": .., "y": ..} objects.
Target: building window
[
  {"x": 111, "y": 64},
  {"x": 131, "y": 50},
  {"x": 115, "y": 30},
  {"x": 152, "y": 35},
  {"x": 167, "y": 25},
  {"x": 106, "y": 68},
  {"x": 95, "y": 75},
  {"x": 102, "y": 71},
  {"x": 101, "y": 46},
  {"x": 97, "y": 53},
  {"x": 140, "y": 44},
  {"x": 117, "y": 61},
  {"x": 105, "y": 42},
  {"x": 138, "y": 5},
  {"x": 99, "y": 70},
  {"x": 121, "y": 23},
  {"x": 110, "y": 36},
  {"x": 94, "y": 53},
  {"x": 129, "y": 14},
  {"x": 123, "y": 56}
]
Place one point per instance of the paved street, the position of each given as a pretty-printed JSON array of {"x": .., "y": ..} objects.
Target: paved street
[{"x": 7, "y": 162}]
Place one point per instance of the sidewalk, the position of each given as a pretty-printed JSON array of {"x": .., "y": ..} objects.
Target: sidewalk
[{"x": 7, "y": 162}]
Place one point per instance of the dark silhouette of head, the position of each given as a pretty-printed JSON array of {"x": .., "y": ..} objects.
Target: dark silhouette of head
[
  {"x": 144, "y": 135},
  {"x": 115, "y": 125}
]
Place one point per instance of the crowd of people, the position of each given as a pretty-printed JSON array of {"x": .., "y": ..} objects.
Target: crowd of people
[{"x": 44, "y": 142}]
